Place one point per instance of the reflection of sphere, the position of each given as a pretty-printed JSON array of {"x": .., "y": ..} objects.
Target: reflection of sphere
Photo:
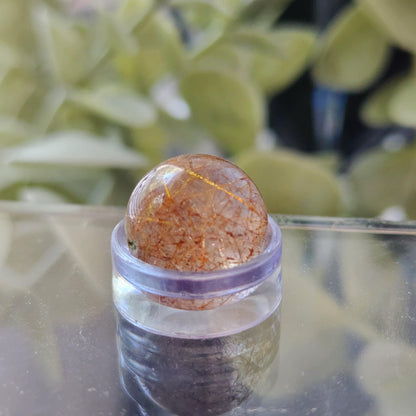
[
  {"x": 200, "y": 376},
  {"x": 196, "y": 213}
]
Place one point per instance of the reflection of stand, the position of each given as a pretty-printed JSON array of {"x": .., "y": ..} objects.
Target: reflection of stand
[
  {"x": 210, "y": 376},
  {"x": 134, "y": 388}
]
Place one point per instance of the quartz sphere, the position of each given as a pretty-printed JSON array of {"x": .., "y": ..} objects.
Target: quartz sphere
[{"x": 196, "y": 213}]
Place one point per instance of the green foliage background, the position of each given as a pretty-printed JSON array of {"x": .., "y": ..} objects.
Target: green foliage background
[{"x": 91, "y": 101}]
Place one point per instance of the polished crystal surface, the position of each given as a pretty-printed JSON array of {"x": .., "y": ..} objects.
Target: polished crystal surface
[{"x": 196, "y": 213}]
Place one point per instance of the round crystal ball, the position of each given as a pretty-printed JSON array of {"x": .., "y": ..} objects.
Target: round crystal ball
[{"x": 196, "y": 213}]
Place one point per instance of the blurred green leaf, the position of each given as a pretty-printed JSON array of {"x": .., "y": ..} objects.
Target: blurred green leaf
[
  {"x": 396, "y": 19},
  {"x": 402, "y": 104},
  {"x": 63, "y": 44},
  {"x": 132, "y": 12},
  {"x": 226, "y": 105},
  {"x": 293, "y": 50},
  {"x": 16, "y": 87},
  {"x": 261, "y": 12},
  {"x": 69, "y": 116},
  {"x": 184, "y": 136},
  {"x": 40, "y": 195},
  {"x": 273, "y": 59},
  {"x": 75, "y": 148},
  {"x": 222, "y": 56},
  {"x": 411, "y": 205},
  {"x": 114, "y": 33},
  {"x": 354, "y": 52},
  {"x": 118, "y": 192},
  {"x": 11, "y": 57},
  {"x": 253, "y": 39},
  {"x": 329, "y": 160},
  {"x": 381, "y": 179},
  {"x": 160, "y": 52},
  {"x": 292, "y": 184},
  {"x": 202, "y": 23},
  {"x": 110, "y": 35},
  {"x": 48, "y": 109},
  {"x": 202, "y": 5},
  {"x": 151, "y": 141},
  {"x": 103, "y": 190},
  {"x": 15, "y": 24},
  {"x": 375, "y": 111},
  {"x": 387, "y": 371},
  {"x": 117, "y": 104},
  {"x": 204, "y": 13},
  {"x": 13, "y": 131},
  {"x": 73, "y": 183}
]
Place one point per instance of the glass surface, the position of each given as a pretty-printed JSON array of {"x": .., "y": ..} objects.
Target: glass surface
[{"x": 348, "y": 323}]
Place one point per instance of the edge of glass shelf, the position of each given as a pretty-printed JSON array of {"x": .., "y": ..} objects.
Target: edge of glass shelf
[
  {"x": 294, "y": 222},
  {"x": 368, "y": 225},
  {"x": 93, "y": 211}
]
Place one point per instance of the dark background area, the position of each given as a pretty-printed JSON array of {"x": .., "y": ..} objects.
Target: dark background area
[{"x": 290, "y": 112}]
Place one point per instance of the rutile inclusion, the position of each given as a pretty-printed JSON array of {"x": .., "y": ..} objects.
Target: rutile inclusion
[{"x": 196, "y": 213}]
